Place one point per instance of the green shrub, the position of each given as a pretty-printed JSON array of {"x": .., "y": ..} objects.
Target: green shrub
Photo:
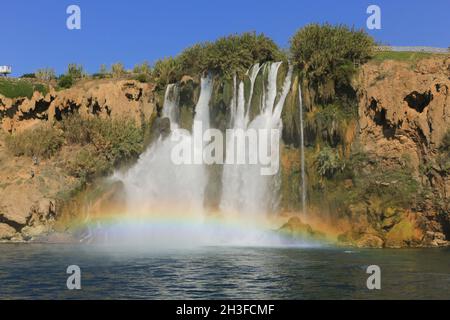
[
  {"x": 142, "y": 77},
  {"x": 29, "y": 75},
  {"x": 65, "y": 81},
  {"x": 328, "y": 163},
  {"x": 12, "y": 88},
  {"x": 75, "y": 71},
  {"x": 88, "y": 164},
  {"x": 143, "y": 68},
  {"x": 41, "y": 142},
  {"x": 116, "y": 140}
]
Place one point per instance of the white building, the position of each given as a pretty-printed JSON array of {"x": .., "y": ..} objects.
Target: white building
[{"x": 4, "y": 70}]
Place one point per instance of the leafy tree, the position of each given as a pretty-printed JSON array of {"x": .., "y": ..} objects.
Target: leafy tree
[
  {"x": 143, "y": 68},
  {"x": 229, "y": 55},
  {"x": 329, "y": 55},
  {"x": 75, "y": 71},
  {"x": 166, "y": 71},
  {"x": 103, "y": 70}
]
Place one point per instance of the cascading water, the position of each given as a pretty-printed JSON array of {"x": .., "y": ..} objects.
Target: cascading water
[
  {"x": 302, "y": 150},
  {"x": 159, "y": 192},
  {"x": 245, "y": 190},
  {"x": 167, "y": 200}
]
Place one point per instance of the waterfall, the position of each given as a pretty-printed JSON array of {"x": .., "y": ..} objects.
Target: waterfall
[
  {"x": 155, "y": 180},
  {"x": 170, "y": 107},
  {"x": 244, "y": 189},
  {"x": 302, "y": 150},
  {"x": 157, "y": 187}
]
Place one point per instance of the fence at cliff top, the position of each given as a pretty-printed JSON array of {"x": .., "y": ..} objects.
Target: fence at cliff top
[{"x": 414, "y": 49}]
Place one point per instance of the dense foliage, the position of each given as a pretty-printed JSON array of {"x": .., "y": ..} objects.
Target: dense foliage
[
  {"x": 229, "y": 55},
  {"x": 106, "y": 144},
  {"x": 328, "y": 55},
  {"x": 12, "y": 88}
]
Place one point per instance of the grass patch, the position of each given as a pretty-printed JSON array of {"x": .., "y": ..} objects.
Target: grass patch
[
  {"x": 12, "y": 88},
  {"x": 41, "y": 142}
]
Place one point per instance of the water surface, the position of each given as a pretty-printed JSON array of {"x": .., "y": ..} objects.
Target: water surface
[{"x": 38, "y": 271}]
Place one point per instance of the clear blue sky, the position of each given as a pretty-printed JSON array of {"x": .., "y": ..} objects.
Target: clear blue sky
[{"x": 34, "y": 33}]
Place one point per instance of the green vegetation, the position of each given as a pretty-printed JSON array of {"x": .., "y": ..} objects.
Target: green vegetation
[
  {"x": 45, "y": 74},
  {"x": 12, "y": 88},
  {"x": 166, "y": 71},
  {"x": 75, "y": 71},
  {"x": 229, "y": 55},
  {"x": 117, "y": 70},
  {"x": 42, "y": 142},
  {"x": 142, "y": 72},
  {"x": 401, "y": 56},
  {"x": 328, "y": 163},
  {"x": 223, "y": 57},
  {"x": 28, "y": 76},
  {"x": 328, "y": 56},
  {"x": 106, "y": 144},
  {"x": 443, "y": 158},
  {"x": 65, "y": 81}
]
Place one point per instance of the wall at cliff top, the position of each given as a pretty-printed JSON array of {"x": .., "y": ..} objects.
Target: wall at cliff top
[{"x": 377, "y": 174}]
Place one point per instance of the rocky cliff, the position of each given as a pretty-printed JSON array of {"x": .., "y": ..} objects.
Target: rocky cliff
[
  {"x": 387, "y": 186},
  {"x": 32, "y": 189},
  {"x": 404, "y": 115},
  {"x": 380, "y": 178}
]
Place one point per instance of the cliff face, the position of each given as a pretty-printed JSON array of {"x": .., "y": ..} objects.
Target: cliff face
[
  {"x": 404, "y": 114},
  {"x": 30, "y": 192},
  {"x": 103, "y": 98}
]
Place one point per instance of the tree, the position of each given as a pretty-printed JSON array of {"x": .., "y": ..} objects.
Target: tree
[
  {"x": 329, "y": 55},
  {"x": 103, "y": 70},
  {"x": 143, "y": 68},
  {"x": 117, "y": 69},
  {"x": 75, "y": 71},
  {"x": 45, "y": 74}
]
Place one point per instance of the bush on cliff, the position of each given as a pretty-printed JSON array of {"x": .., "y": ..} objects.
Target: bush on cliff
[
  {"x": 328, "y": 163},
  {"x": 443, "y": 157},
  {"x": 224, "y": 57},
  {"x": 329, "y": 55},
  {"x": 109, "y": 143},
  {"x": 65, "y": 81},
  {"x": 41, "y": 142},
  {"x": 229, "y": 55},
  {"x": 11, "y": 88},
  {"x": 166, "y": 71}
]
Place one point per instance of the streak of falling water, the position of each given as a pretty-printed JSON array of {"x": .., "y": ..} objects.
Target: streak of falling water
[{"x": 302, "y": 150}]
